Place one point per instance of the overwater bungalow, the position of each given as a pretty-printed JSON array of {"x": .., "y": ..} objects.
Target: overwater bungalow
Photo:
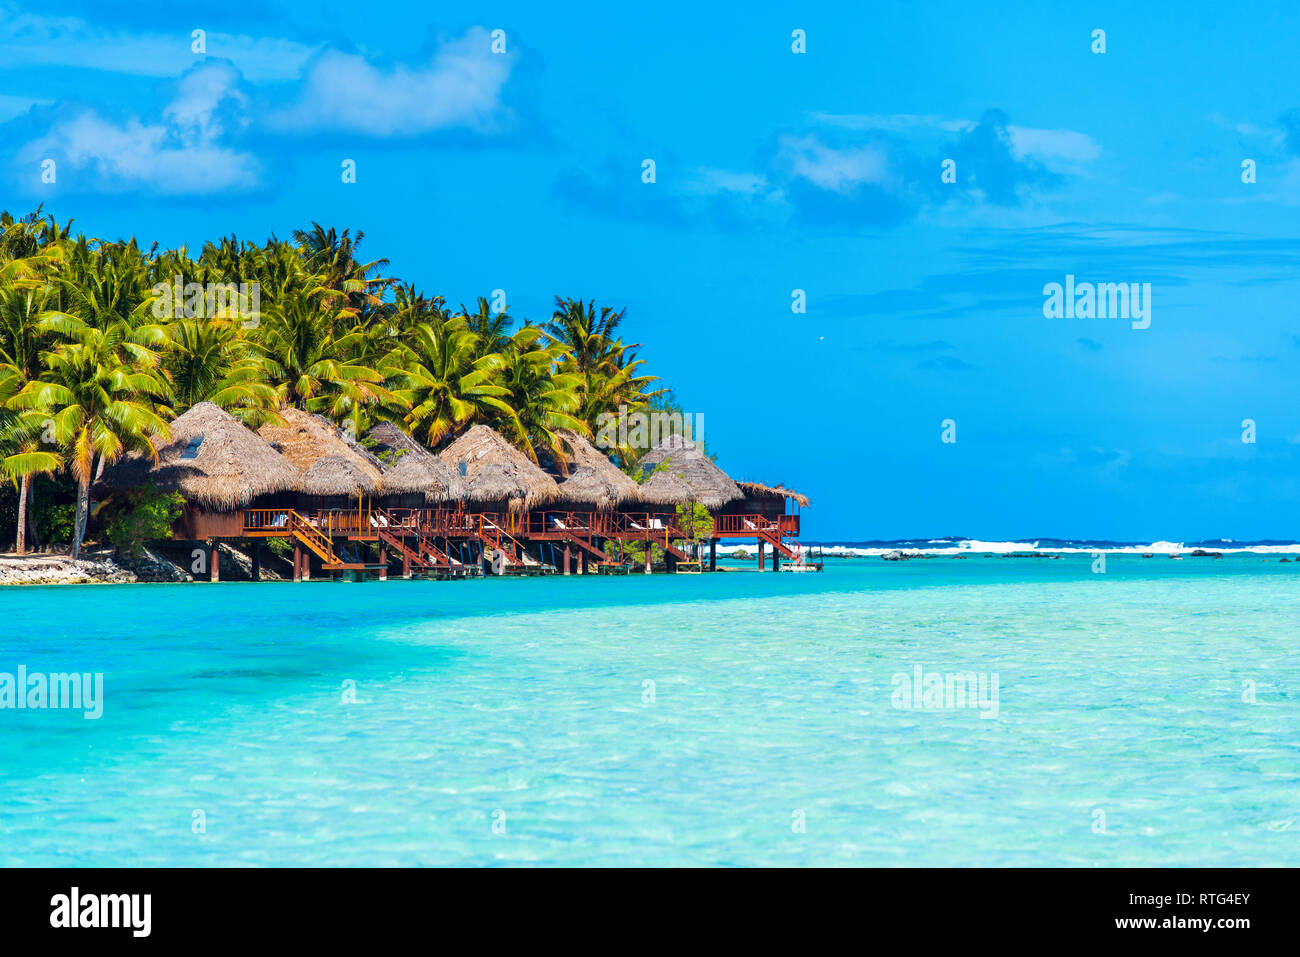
[
  {"x": 592, "y": 480},
  {"x": 219, "y": 466},
  {"x": 349, "y": 507},
  {"x": 677, "y": 472},
  {"x": 413, "y": 477},
  {"x": 497, "y": 476},
  {"x": 305, "y": 439},
  {"x": 593, "y": 505}
]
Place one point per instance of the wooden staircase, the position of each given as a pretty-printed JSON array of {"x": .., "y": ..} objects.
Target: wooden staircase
[
  {"x": 287, "y": 523},
  {"x": 313, "y": 538},
  {"x": 774, "y": 538},
  {"x": 424, "y": 554}
]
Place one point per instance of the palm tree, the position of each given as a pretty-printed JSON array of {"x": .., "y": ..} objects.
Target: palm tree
[
  {"x": 333, "y": 257},
  {"x": 207, "y": 360},
  {"x": 309, "y": 350},
  {"x": 22, "y": 342},
  {"x": 21, "y": 454},
  {"x": 589, "y": 338},
  {"x": 608, "y": 369},
  {"x": 97, "y": 402},
  {"x": 542, "y": 400},
  {"x": 492, "y": 329},
  {"x": 442, "y": 383}
]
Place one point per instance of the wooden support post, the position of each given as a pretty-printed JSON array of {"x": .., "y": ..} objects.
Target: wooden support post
[
  {"x": 306, "y": 564},
  {"x": 406, "y": 564},
  {"x": 257, "y": 560},
  {"x": 647, "y": 557},
  {"x": 383, "y": 562},
  {"x": 713, "y": 554},
  {"x": 776, "y": 560},
  {"x": 582, "y": 563},
  {"x": 762, "y": 558},
  {"x": 297, "y": 561},
  {"x": 566, "y": 559},
  {"x": 216, "y": 562}
]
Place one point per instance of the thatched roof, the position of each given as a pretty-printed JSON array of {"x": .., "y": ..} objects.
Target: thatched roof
[
  {"x": 390, "y": 443},
  {"x": 688, "y": 476},
  {"x": 305, "y": 439},
  {"x": 410, "y": 468},
  {"x": 759, "y": 490},
  {"x": 496, "y": 471},
  {"x": 227, "y": 464},
  {"x": 593, "y": 479},
  {"x": 335, "y": 475}
]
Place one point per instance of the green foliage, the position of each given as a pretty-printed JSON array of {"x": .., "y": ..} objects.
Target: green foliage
[
  {"x": 55, "y": 522},
  {"x": 634, "y": 552},
  {"x": 99, "y": 351},
  {"x": 144, "y": 515},
  {"x": 695, "y": 520}
]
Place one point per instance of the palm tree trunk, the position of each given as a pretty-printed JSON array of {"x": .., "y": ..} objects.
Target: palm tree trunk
[
  {"x": 79, "y": 529},
  {"x": 20, "y": 545},
  {"x": 32, "y": 540}
]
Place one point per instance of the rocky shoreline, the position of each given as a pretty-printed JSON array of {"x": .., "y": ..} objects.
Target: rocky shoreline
[{"x": 94, "y": 567}]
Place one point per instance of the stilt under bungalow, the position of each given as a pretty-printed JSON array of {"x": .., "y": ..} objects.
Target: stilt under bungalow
[{"x": 480, "y": 506}]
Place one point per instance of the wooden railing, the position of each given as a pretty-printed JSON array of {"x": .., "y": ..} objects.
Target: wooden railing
[
  {"x": 484, "y": 526},
  {"x": 267, "y": 520},
  {"x": 750, "y": 525},
  {"x": 287, "y": 522}
]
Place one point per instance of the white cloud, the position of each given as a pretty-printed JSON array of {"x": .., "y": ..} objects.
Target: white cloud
[
  {"x": 32, "y": 39},
  {"x": 460, "y": 88},
  {"x": 1047, "y": 146},
  {"x": 1050, "y": 147},
  {"x": 892, "y": 122},
  {"x": 179, "y": 155},
  {"x": 829, "y": 167}
]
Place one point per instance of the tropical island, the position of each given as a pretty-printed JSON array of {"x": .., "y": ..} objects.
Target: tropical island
[{"x": 185, "y": 411}]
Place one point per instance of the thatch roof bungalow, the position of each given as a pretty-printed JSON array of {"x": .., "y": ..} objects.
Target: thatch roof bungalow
[
  {"x": 757, "y": 490},
  {"x": 593, "y": 481},
  {"x": 688, "y": 475},
  {"x": 411, "y": 470},
  {"x": 333, "y": 476},
  {"x": 218, "y": 465},
  {"x": 770, "y": 501},
  {"x": 305, "y": 439},
  {"x": 496, "y": 473}
]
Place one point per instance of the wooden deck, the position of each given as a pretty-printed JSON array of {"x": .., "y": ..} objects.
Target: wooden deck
[{"x": 459, "y": 543}]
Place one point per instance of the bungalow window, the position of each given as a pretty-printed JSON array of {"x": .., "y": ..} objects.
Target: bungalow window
[{"x": 192, "y": 448}]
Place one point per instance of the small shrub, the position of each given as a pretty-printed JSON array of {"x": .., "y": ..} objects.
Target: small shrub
[{"x": 145, "y": 514}]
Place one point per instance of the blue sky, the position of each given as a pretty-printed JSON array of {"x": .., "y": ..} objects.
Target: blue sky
[{"x": 775, "y": 171}]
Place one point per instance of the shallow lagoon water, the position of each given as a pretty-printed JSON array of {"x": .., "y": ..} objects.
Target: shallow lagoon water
[{"x": 525, "y": 702}]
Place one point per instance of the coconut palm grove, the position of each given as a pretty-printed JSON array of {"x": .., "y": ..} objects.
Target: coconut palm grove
[{"x": 104, "y": 342}]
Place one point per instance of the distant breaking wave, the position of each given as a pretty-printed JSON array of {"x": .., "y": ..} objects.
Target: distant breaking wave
[{"x": 1046, "y": 546}]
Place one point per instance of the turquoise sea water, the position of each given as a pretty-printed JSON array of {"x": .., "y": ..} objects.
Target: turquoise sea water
[{"x": 525, "y": 702}]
